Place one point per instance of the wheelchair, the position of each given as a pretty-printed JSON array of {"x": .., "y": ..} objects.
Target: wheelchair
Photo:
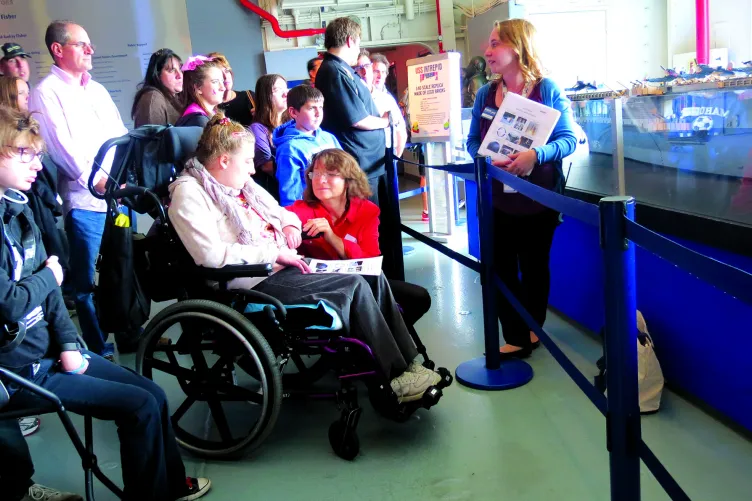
[{"x": 240, "y": 353}]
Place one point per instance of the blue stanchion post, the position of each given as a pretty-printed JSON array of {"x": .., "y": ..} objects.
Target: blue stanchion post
[
  {"x": 623, "y": 414},
  {"x": 489, "y": 372},
  {"x": 392, "y": 215}
]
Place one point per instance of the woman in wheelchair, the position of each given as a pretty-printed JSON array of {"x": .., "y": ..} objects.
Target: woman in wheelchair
[
  {"x": 43, "y": 347},
  {"x": 343, "y": 224},
  {"x": 223, "y": 217}
]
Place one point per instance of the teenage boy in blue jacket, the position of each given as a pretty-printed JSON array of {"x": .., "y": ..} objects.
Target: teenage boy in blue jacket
[{"x": 298, "y": 140}]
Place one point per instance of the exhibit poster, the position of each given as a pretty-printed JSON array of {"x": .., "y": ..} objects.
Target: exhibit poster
[
  {"x": 435, "y": 96},
  {"x": 124, "y": 34}
]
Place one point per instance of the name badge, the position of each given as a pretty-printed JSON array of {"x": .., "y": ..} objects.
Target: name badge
[
  {"x": 351, "y": 238},
  {"x": 489, "y": 112}
]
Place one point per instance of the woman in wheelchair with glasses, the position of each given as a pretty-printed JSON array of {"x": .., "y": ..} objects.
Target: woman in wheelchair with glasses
[
  {"x": 43, "y": 346},
  {"x": 223, "y": 218}
]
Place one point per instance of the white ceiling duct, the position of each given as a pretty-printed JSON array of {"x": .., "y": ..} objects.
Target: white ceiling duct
[{"x": 303, "y": 4}]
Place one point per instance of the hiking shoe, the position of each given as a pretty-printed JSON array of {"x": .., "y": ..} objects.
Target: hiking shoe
[
  {"x": 195, "y": 488},
  {"x": 29, "y": 425},
  {"x": 41, "y": 493},
  {"x": 417, "y": 368},
  {"x": 410, "y": 386}
]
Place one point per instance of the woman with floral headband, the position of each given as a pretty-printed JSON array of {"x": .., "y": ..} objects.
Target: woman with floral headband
[
  {"x": 223, "y": 218},
  {"x": 203, "y": 84}
]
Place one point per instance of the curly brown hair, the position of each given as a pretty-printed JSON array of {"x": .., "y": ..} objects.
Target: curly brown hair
[
  {"x": 18, "y": 128},
  {"x": 221, "y": 135},
  {"x": 344, "y": 164}
]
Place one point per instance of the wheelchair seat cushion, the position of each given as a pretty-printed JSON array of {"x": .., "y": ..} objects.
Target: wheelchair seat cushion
[{"x": 319, "y": 316}]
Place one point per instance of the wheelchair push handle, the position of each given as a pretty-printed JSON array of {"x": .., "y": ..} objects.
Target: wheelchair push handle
[{"x": 115, "y": 141}]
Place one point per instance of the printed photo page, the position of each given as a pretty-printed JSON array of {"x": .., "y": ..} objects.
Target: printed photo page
[
  {"x": 364, "y": 266},
  {"x": 519, "y": 125}
]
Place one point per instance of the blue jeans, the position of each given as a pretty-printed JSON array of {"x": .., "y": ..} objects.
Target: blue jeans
[
  {"x": 84, "y": 229},
  {"x": 152, "y": 467}
]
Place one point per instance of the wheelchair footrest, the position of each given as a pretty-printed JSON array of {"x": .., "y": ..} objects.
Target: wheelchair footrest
[{"x": 446, "y": 377}]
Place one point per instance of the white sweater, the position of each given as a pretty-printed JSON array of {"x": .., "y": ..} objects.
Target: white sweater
[{"x": 211, "y": 241}]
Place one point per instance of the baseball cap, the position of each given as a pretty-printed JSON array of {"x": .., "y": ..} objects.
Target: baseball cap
[{"x": 11, "y": 50}]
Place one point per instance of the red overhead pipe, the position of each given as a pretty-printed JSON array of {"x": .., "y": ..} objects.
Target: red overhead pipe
[
  {"x": 309, "y": 32},
  {"x": 702, "y": 23},
  {"x": 438, "y": 21}
]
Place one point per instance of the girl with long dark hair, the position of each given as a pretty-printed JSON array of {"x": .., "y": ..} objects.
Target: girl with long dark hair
[{"x": 271, "y": 103}]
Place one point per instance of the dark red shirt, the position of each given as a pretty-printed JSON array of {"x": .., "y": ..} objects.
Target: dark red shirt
[{"x": 358, "y": 229}]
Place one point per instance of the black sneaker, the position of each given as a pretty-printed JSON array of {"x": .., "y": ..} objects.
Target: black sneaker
[{"x": 195, "y": 488}]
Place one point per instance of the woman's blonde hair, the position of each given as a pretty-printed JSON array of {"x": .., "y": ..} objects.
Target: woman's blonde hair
[
  {"x": 521, "y": 33},
  {"x": 18, "y": 128},
  {"x": 221, "y": 136},
  {"x": 9, "y": 91},
  {"x": 344, "y": 164},
  {"x": 221, "y": 59}
]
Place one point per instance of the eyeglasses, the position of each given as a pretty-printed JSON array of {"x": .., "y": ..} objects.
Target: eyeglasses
[
  {"x": 27, "y": 154},
  {"x": 324, "y": 175},
  {"x": 81, "y": 45},
  {"x": 362, "y": 66}
]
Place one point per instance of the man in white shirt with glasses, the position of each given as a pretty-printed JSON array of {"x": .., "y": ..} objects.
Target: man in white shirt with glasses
[{"x": 77, "y": 117}]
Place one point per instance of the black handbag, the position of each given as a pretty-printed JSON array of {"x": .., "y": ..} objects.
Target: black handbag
[{"x": 122, "y": 305}]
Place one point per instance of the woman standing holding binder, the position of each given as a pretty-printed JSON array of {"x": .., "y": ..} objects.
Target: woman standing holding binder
[{"x": 523, "y": 228}]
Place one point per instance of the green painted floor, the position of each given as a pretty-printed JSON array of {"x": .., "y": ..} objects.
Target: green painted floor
[{"x": 544, "y": 441}]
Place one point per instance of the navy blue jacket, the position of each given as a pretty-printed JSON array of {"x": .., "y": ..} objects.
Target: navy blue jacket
[{"x": 19, "y": 299}]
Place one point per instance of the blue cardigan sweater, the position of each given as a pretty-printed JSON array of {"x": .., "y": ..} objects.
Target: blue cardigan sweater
[{"x": 563, "y": 140}]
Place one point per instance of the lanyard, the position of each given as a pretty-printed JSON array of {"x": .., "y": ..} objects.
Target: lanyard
[
  {"x": 17, "y": 259},
  {"x": 525, "y": 90},
  {"x": 22, "y": 263}
]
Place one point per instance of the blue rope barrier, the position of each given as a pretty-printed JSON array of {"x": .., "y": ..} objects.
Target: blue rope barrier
[
  {"x": 623, "y": 426},
  {"x": 725, "y": 277},
  {"x": 464, "y": 260},
  {"x": 577, "y": 209},
  {"x": 411, "y": 193},
  {"x": 451, "y": 168},
  {"x": 661, "y": 474},
  {"x": 596, "y": 397}
]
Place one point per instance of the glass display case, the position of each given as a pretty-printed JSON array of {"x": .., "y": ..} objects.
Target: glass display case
[{"x": 688, "y": 149}]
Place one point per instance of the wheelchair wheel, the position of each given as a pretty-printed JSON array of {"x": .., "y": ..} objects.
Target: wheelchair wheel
[
  {"x": 221, "y": 412},
  {"x": 344, "y": 441}
]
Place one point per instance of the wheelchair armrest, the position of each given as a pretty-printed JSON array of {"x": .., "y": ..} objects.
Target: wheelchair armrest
[
  {"x": 255, "y": 297},
  {"x": 227, "y": 273},
  {"x": 34, "y": 388}
]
